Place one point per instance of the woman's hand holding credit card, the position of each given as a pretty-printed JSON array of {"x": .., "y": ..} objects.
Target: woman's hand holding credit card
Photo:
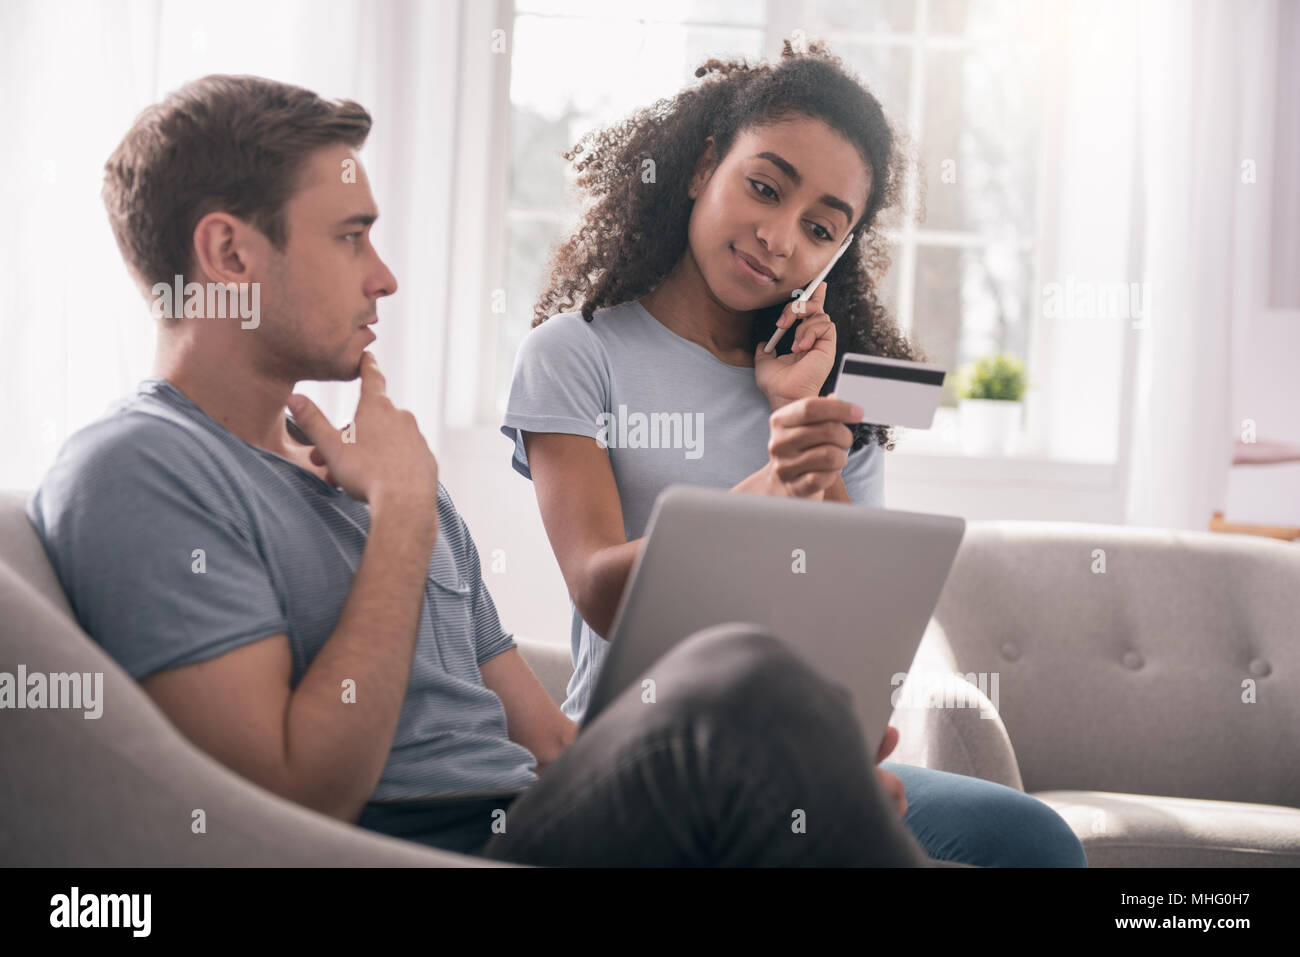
[
  {"x": 809, "y": 441},
  {"x": 809, "y": 445}
]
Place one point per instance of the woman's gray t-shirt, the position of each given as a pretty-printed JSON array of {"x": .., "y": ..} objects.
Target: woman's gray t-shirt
[{"x": 667, "y": 410}]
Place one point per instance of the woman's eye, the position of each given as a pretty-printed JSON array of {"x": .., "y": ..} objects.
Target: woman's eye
[
  {"x": 767, "y": 192},
  {"x": 352, "y": 237}
]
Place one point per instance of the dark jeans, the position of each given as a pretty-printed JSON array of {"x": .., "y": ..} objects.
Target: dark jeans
[{"x": 745, "y": 758}]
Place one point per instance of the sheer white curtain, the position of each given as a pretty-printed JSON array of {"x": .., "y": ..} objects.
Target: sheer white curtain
[
  {"x": 1208, "y": 77},
  {"x": 73, "y": 75},
  {"x": 1166, "y": 178}
]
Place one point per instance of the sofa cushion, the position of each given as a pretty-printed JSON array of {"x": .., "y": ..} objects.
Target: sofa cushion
[{"x": 1144, "y": 830}]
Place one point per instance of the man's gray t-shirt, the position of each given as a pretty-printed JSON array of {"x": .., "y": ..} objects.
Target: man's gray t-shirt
[
  {"x": 176, "y": 541},
  {"x": 667, "y": 409}
]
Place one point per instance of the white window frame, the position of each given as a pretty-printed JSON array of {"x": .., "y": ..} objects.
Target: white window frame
[{"x": 470, "y": 422}]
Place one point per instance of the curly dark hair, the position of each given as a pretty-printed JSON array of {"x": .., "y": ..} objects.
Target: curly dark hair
[{"x": 633, "y": 233}]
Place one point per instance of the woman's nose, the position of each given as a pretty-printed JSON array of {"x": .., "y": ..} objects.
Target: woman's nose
[{"x": 777, "y": 236}]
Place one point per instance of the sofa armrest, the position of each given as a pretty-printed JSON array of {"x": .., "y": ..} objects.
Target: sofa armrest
[
  {"x": 948, "y": 724},
  {"x": 124, "y": 789},
  {"x": 551, "y": 663}
]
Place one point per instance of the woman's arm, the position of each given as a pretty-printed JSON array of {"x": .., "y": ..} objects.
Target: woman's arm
[
  {"x": 583, "y": 515},
  {"x": 838, "y": 492}
]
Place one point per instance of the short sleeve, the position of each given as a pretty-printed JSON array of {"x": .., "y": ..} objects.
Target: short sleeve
[
  {"x": 864, "y": 476},
  {"x": 148, "y": 543},
  {"x": 490, "y": 637},
  {"x": 560, "y": 384}
]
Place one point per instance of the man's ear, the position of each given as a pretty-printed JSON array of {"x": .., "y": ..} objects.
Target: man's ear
[
  {"x": 225, "y": 248},
  {"x": 704, "y": 168}
]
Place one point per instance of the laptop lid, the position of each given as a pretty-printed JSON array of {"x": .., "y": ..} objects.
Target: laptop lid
[{"x": 850, "y": 588}]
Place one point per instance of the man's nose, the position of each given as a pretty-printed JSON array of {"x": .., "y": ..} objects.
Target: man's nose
[{"x": 384, "y": 283}]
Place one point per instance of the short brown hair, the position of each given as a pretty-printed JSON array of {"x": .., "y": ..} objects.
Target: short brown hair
[{"x": 232, "y": 143}]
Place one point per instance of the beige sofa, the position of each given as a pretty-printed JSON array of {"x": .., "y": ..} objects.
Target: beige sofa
[{"x": 1122, "y": 691}]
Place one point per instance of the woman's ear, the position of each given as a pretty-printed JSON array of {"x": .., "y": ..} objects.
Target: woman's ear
[{"x": 704, "y": 168}]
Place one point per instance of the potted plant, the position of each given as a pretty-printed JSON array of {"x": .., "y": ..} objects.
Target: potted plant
[{"x": 990, "y": 407}]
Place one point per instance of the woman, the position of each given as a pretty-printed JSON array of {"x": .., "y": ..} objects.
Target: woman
[{"x": 709, "y": 211}]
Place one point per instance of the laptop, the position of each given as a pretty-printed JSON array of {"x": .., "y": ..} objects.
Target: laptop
[{"x": 849, "y": 588}]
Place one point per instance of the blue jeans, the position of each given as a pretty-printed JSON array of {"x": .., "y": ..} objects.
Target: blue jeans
[
  {"x": 745, "y": 758},
  {"x": 972, "y": 821}
]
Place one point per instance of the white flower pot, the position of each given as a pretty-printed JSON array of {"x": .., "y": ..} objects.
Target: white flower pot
[{"x": 989, "y": 426}]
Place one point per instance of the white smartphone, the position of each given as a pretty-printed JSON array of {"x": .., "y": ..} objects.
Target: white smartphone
[{"x": 890, "y": 391}]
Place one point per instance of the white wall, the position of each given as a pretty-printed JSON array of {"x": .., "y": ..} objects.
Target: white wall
[{"x": 501, "y": 511}]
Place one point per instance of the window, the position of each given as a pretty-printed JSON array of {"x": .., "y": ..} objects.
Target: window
[
  {"x": 962, "y": 78},
  {"x": 622, "y": 57}
]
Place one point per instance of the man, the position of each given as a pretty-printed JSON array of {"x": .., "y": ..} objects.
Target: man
[{"x": 305, "y": 603}]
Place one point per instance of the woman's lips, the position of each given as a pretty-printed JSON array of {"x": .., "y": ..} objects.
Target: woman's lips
[{"x": 749, "y": 272}]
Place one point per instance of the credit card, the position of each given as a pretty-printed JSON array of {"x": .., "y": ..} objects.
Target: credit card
[{"x": 890, "y": 391}]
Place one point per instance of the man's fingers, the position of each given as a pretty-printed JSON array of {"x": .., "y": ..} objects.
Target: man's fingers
[
  {"x": 314, "y": 425},
  {"x": 372, "y": 380},
  {"x": 894, "y": 789},
  {"x": 888, "y": 743}
]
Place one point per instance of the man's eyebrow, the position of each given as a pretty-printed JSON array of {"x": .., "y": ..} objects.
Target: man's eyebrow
[
  {"x": 781, "y": 163},
  {"x": 360, "y": 219}
]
